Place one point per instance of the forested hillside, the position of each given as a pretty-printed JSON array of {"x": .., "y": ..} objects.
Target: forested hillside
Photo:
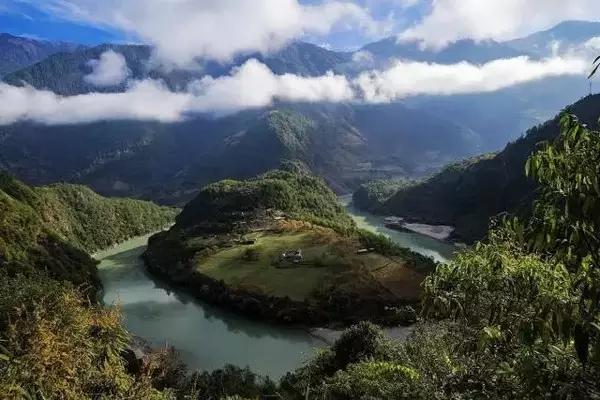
[
  {"x": 53, "y": 229},
  {"x": 292, "y": 190},
  {"x": 467, "y": 194}
]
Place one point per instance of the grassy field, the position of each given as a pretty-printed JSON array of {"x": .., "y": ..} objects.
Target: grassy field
[
  {"x": 262, "y": 275},
  {"x": 326, "y": 256}
]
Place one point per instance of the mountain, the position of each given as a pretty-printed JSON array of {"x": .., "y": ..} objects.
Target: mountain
[
  {"x": 566, "y": 34},
  {"x": 344, "y": 144},
  {"x": 347, "y": 144},
  {"x": 467, "y": 194},
  {"x": 539, "y": 44},
  {"x": 64, "y": 73},
  {"x": 20, "y": 52},
  {"x": 502, "y": 116},
  {"x": 462, "y": 50},
  {"x": 54, "y": 228}
]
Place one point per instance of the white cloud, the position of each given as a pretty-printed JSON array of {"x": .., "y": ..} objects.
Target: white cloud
[
  {"x": 593, "y": 44},
  {"x": 184, "y": 30},
  {"x": 110, "y": 70},
  {"x": 362, "y": 56},
  {"x": 451, "y": 20},
  {"x": 147, "y": 100},
  {"x": 252, "y": 85},
  {"x": 407, "y": 78}
]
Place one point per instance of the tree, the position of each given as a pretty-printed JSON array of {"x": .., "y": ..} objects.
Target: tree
[{"x": 566, "y": 223}]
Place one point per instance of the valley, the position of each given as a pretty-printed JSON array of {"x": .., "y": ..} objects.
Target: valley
[
  {"x": 209, "y": 337},
  {"x": 230, "y": 246},
  {"x": 347, "y": 144},
  {"x": 299, "y": 200}
]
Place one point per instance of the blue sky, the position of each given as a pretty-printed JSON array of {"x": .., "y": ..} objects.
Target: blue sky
[{"x": 18, "y": 17}]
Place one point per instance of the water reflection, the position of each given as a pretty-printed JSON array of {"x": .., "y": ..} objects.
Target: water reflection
[{"x": 205, "y": 336}]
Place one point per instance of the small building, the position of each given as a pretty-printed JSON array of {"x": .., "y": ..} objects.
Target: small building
[
  {"x": 293, "y": 256},
  {"x": 394, "y": 222},
  {"x": 365, "y": 251}
]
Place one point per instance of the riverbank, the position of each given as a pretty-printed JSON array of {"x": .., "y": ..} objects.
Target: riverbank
[
  {"x": 337, "y": 310},
  {"x": 438, "y": 232},
  {"x": 209, "y": 337},
  {"x": 330, "y": 336},
  {"x": 335, "y": 285},
  {"x": 205, "y": 337},
  {"x": 440, "y": 251}
]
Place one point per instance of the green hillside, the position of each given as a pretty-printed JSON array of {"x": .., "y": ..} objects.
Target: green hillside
[
  {"x": 53, "y": 229},
  {"x": 467, "y": 194},
  {"x": 293, "y": 191}
]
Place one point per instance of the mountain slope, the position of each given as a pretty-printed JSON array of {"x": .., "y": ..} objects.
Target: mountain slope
[
  {"x": 466, "y": 195},
  {"x": 20, "y": 52},
  {"x": 168, "y": 162},
  {"x": 52, "y": 229},
  {"x": 462, "y": 50}
]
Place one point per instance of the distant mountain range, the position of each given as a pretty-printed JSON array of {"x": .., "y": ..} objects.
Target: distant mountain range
[
  {"x": 20, "y": 52},
  {"x": 565, "y": 34},
  {"x": 346, "y": 144}
]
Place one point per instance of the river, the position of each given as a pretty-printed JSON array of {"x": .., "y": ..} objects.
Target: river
[{"x": 208, "y": 337}]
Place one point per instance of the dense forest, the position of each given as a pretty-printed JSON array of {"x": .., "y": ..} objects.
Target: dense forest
[
  {"x": 291, "y": 189},
  {"x": 53, "y": 228}
]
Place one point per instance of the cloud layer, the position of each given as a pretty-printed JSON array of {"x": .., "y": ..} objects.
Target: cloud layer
[
  {"x": 251, "y": 85},
  {"x": 407, "y": 78},
  {"x": 254, "y": 85},
  {"x": 110, "y": 70},
  {"x": 451, "y": 20}
]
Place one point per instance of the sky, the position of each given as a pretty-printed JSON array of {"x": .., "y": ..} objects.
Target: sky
[
  {"x": 30, "y": 18},
  {"x": 336, "y": 24},
  {"x": 182, "y": 32}
]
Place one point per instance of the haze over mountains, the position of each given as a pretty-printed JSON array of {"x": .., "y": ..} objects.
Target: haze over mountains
[{"x": 347, "y": 143}]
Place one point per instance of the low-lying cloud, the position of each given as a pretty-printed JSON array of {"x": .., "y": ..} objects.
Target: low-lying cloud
[
  {"x": 144, "y": 100},
  {"x": 409, "y": 78},
  {"x": 109, "y": 70},
  {"x": 254, "y": 85}
]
